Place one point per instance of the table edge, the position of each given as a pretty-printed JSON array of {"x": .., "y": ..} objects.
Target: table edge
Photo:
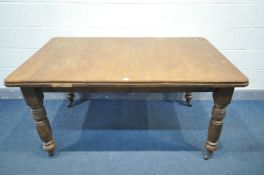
[{"x": 122, "y": 84}]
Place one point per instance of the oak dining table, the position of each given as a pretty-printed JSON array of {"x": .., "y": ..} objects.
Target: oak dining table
[{"x": 127, "y": 64}]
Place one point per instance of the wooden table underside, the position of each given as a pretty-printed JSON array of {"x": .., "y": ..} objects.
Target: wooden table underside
[{"x": 127, "y": 65}]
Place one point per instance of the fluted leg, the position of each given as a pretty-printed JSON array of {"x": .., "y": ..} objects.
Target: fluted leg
[
  {"x": 222, "y": 97},
  {"x": 70, "y": 97},
  {"x": 188, "y": 98},
  {"x": 34, "y": 99}
]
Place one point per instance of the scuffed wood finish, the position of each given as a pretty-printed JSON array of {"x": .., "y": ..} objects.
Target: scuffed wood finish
[
  {"x": 34, "y": 99},
  {"x": 81, "y": 62},
  {"x": 127, "y": 65}
]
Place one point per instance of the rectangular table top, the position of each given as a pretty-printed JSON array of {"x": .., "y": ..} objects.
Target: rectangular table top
[{"x": 78, "y": 62}]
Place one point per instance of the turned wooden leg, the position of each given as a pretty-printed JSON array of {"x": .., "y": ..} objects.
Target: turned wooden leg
[
  {"x": 188, "y": 98},
  {"x": 34, "y": 99},
  {"x": 70, "y": 97},
  {"x": 222, "y": 97}
]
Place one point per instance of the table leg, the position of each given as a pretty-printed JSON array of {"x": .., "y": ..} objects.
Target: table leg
[
  {"x": 70, "y": 97},
  {"x": 222, "y": 98},
  {"x": 188, "y": 98},
  {"x": 34, "y": 99}
]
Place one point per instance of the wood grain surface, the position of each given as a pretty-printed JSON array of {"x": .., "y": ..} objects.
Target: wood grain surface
[{"x": 80, "y": 62}]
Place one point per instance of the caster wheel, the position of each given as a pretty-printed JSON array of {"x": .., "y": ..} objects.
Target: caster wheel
[
  {"x": 189, "y": 104},
  {"x": 51, "y": 153},
  {"x": 70, "y": 104},
  {"x": 188, "y": 98},
  {"x": 207, "y": 155},
  {"x": 70, "y": 97}
]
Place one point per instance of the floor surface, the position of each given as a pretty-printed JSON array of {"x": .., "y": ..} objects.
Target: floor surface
[{"x": 104, "y": 136}]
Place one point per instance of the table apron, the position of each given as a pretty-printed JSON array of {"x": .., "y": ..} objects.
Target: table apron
[{"x": 127, "y": 89}]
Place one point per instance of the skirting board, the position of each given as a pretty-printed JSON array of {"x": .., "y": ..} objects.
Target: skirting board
[{"x": 239, "y": 94}]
